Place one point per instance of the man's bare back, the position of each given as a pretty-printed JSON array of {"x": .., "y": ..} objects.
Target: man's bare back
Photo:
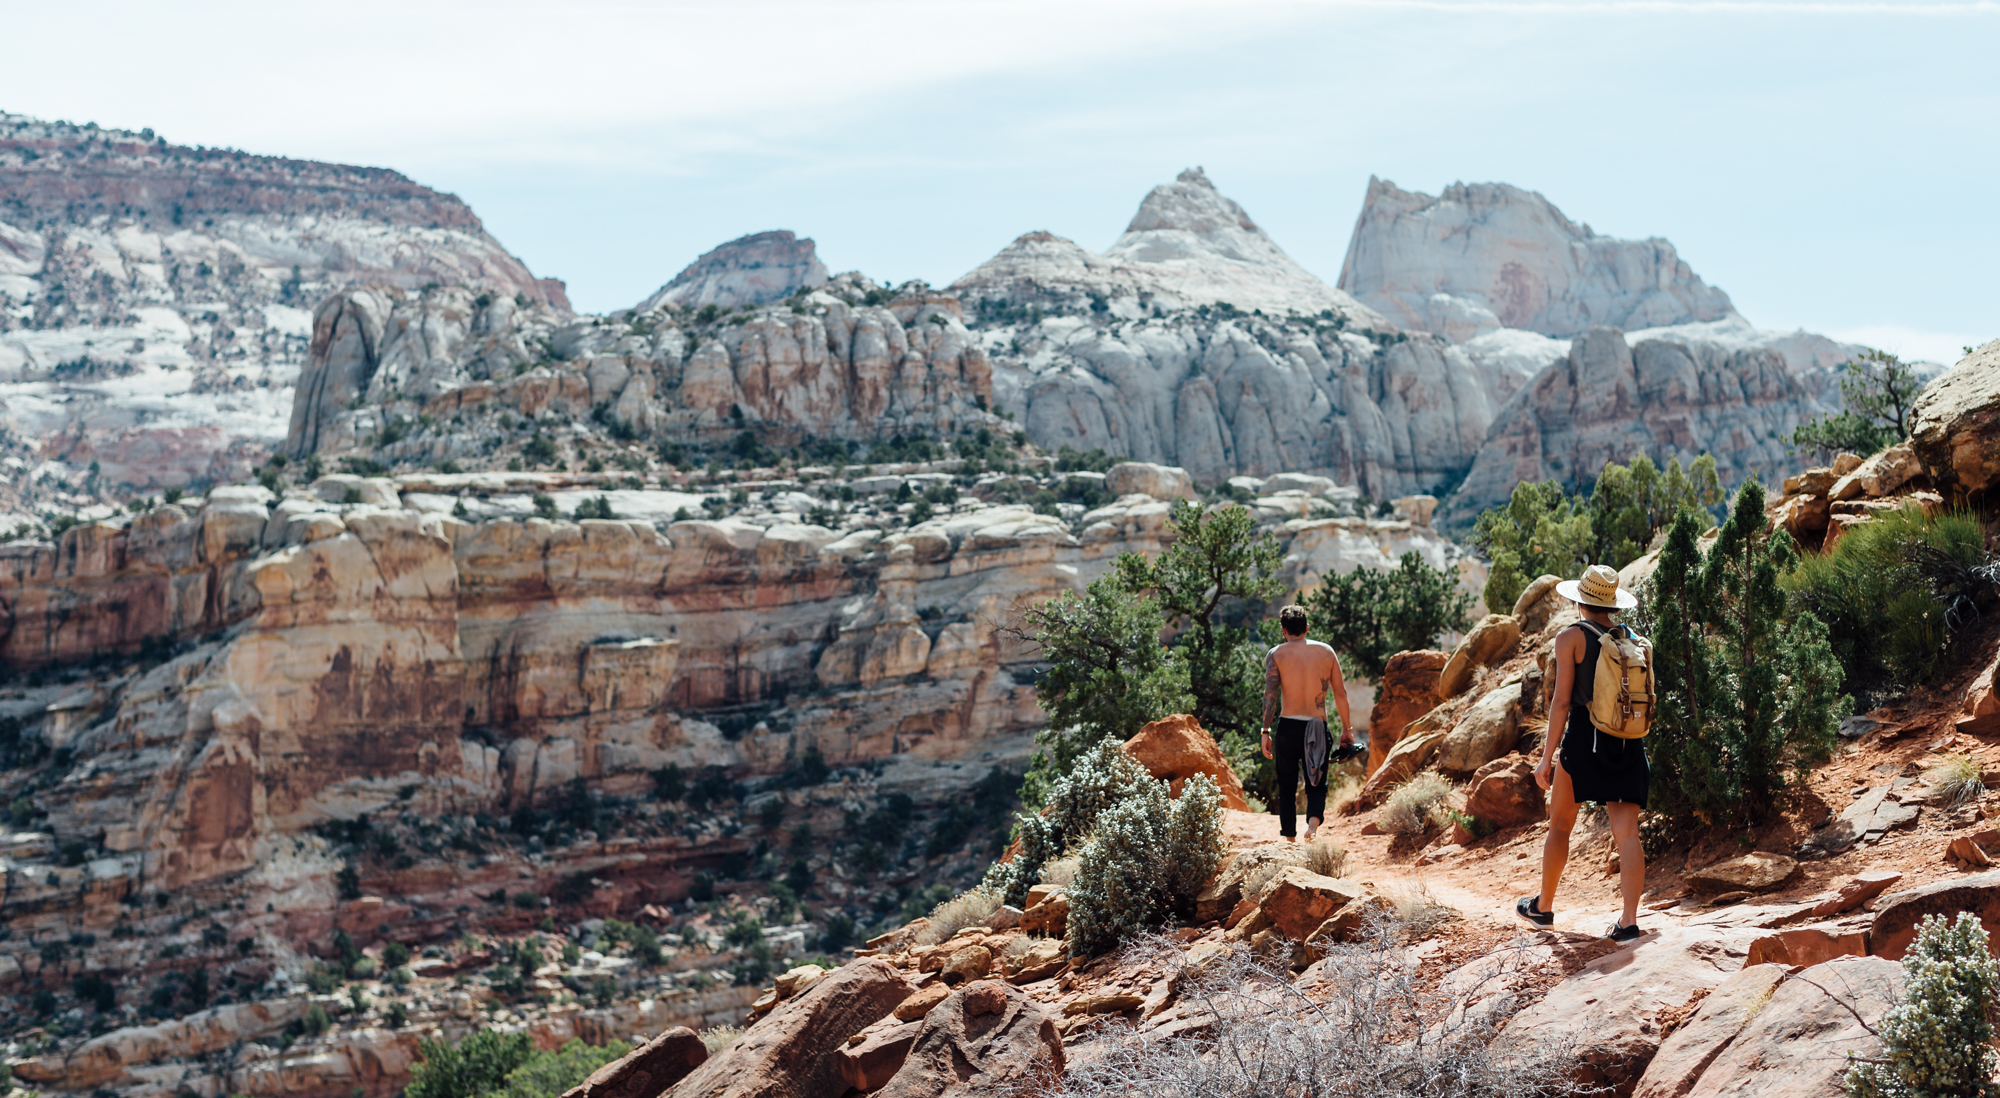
[{"x": 1299, "y": 675}]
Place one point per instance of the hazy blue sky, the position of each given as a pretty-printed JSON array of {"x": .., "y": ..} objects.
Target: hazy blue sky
[{"x": 1833, "y": 166}]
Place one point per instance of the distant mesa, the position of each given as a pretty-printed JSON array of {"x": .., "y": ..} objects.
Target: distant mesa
[
  {"x": 1188, "y": 245},
  {"x": 1483, "y": 256},
  {"x": 750, "y": 270}
]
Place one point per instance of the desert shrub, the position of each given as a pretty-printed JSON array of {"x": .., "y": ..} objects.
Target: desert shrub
[
  {"x": 473, "y": 1067},
  {"x": 968, "y": 908},
  {"x": 1324, "y": 858},
  {"x": 717, "y": 1038},
  {"x": 1938, "y": 1042},
  {"x": 1418, "y": 912},
  {"x": 550, "y": 1074},
  {"x": 1146, "y": 858},
  {"x": 1416, "y": 805},
  {"x": 1369, "y": 615},
  {"x": 1954, "y": 780},
  {"x": 1371, "y": 1028},
  {"x": 1100, "y": 779},
  {"x": 1879, "y": 390},
  {"x": 1875, "y": 592},
  {"x": 1749, "y": 689}
]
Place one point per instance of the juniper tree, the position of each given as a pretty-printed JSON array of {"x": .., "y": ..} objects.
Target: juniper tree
[
  {"x": 1539, "y": 530},
  {"x": 1749, "y": 687},
  {"x": 1369, "y": 615},
  {"x": 1880, "y": 390}
]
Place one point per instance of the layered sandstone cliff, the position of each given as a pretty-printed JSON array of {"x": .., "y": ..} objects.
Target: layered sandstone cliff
[{"x": 750, "y": 270}]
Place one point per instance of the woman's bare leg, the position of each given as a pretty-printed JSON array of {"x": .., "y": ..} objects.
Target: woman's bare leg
[
  {"x": 1555, "y": 848},
  {"x": 1631, "y": 856}
]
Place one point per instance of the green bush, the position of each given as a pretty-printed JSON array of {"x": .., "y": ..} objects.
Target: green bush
[
  {"x": 1938, "y": 1042},
  {"x": 551, "y": 1074},
  {"x": 474, "y": 1067},
  {"x": 1874, "y": 591},
  {"x": 1368, "y": 615},
  {"x": 1879, "y": 391},
  {"x": 1749, "y": 689},
  {"x": 1108, "y": 673},
  {"x": 1146, "y": 859},
  {"x": 1539, "y": 531},
  {"x": 1103, "y": 777},
  {"x": 1633, "y": 503}
]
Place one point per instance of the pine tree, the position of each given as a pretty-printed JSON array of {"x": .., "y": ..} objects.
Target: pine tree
[
  {"x": 1938, "y": 1042},
  {"x": 1749, "y": 687}
]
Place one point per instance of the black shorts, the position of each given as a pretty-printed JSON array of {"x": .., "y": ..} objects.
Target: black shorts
[{"x": 1603, "y": 767}]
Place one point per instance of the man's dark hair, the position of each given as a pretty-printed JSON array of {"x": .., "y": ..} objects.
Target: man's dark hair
[{"x": 1293, "y": 619}]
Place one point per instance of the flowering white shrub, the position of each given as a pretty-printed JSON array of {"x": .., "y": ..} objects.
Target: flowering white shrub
[
  {"x": 1101, "y": 779},
  {"x": 1146, "y": 859},
  {"x": 1938, "y": 1042}
]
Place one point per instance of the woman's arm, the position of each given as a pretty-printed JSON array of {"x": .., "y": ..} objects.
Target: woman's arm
[{"x": 1568, "y": 645}]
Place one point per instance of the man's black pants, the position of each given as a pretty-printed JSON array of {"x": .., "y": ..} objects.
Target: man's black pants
[{"x": 1288, "y": 743}]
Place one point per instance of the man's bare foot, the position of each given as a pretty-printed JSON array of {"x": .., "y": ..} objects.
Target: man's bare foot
[{"x": 1312, "y": 828}]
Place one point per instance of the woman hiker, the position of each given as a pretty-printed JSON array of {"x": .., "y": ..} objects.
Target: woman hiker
[{"x": 1591, "y": 766}]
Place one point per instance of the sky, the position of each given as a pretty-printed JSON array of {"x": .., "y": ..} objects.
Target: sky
[{"x": 1831, "y": 165}]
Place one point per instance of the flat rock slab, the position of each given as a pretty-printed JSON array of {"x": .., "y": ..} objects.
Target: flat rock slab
[
  {"x": 1614, "y": 1006},
  {"x": 1760, "y": 1035},
  {"x": 1874, "y": 815},
  {"x": 1757, "y": 871}
]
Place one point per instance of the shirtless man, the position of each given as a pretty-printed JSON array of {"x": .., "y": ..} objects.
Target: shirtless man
[{"x": 1297, "y": 676}]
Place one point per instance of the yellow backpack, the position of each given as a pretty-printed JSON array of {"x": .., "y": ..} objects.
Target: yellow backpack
[{"x": 1621, "y": 697}]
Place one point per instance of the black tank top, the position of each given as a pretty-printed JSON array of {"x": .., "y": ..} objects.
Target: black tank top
[{"x": 1583, "y": 682}]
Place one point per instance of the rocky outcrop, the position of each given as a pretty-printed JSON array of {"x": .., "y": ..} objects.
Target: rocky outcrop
[
  {"x": 985, "y": 1036},
  {"x": 1484, "y": 733},
  {"x": 793, "y": 1052},
  {"x": 750, "y": 270},
  {"x": 1898, "y": 914},
  {"x": 1482, "y": 256},
  {"x": 1504, "y": 794},
  {"x": 1955, "y": 426},
  {"x": 1407, "y": 691},
  {"x": 1612, "y": 399},
  {"x": 1760, "y": 1034}
]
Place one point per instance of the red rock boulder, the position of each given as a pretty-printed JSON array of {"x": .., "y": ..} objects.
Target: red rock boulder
[
  {"x": 1504, "y": 794},
  {"x": 1898, "y": 914},
  {"x": 793, "y": 1052},
  {"x": 1407, "y": 691},
  {"x": 984, "y": 1037},
  {"x": 1177, "y": 748},
  {"x": 646, "y": 1071}
]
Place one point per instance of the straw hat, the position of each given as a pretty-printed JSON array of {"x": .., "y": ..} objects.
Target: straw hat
[{"x": 1599, "y": 588}]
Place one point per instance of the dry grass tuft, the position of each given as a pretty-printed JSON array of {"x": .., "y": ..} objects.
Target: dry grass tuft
[
  {"x": 968, "y": 908},
  {"x": 1061, "y": 871},
  {"x": 1416, "y": 805},
  {"x": 1324, "y": 858},
  {"x": 1420, "y": 913},
  {"x": 717, "y": 1038},
  {"x": 1955, "y": 780},
  {"x": 1017, "y": 946}
]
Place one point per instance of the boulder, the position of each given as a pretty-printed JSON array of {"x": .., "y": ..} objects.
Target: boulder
[
  {"x": 1177, "y": 748},
  {"x": 970, "y": 963},
  {"x": 1408, "y": 690},
  {"x": 793, "y": 1051},
  {"x": 1856, "y": 892},
  {"x": 920, "y": 1002},
  {"x": 1412, "y": 753},
  {"x": 1807, "y": 945},
  {"x": 873, "y": 1056},
  {"x": 1226, "y": 890},
  {"x": 1416, "y": 510},
  {"x": 1757, "y": 871},
  {"x": 1043, "y": 959},
  {"x": 1144, "y": 478},
  {"x": 1504, "y": 794},
  {"x": 1539, "y": 602},
  {"x": 1879, "y": 476},
  {"x": 1298, "y": 901},
  {"x": 1489, "y": 642},
  {"x": 1050, "y": 917},
  {"x": 1614, "y": 1006},
  {"x": 984, "y": 1037},
  {"x": 1897, "y": 916},
  {"x": 1345, "y": 924},
  {"x": 1487, "y": 731},
  {"x": 1758, "y": 1035},
  {"x": 1802, "y": 516},
  {"x": 646, "y": 1071},
  {"x": 1955, "y": 425}
]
